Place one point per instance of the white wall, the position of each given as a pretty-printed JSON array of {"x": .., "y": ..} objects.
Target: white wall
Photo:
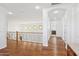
[
  {"x": 3, "y": 28},
  {"x": 53, "y": 25},
  {"x": 15, "y": 24},
  {"x": 68, "y": 25},
  {"x": 76, "y": 23},
  {"x": 59, "y": 28},
  {"x": 71, "y": 25}
]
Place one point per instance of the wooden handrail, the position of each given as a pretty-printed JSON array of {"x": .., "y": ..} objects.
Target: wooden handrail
[{"x": 18, "y": 35}]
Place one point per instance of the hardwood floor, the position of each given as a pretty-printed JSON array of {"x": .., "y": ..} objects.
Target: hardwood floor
[{"x": 23, "y": 48}]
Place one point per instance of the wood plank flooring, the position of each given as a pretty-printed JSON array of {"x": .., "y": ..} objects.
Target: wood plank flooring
[{"x": 23, "y": 48}]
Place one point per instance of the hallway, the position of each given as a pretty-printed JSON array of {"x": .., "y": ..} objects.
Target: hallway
[{"x": 24, "y": 48}]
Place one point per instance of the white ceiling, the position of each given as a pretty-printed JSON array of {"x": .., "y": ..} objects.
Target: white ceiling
[{"x": 25, "y": 9}]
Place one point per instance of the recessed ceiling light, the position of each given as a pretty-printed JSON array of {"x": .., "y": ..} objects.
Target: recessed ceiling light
[
  {"x": 55, "y": 12},
  {"x": 10, "y": 13},
  {"x": 37, "y": 7}
]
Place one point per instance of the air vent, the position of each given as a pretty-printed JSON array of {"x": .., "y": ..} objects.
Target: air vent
[{"x": 55, "y": 3}]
